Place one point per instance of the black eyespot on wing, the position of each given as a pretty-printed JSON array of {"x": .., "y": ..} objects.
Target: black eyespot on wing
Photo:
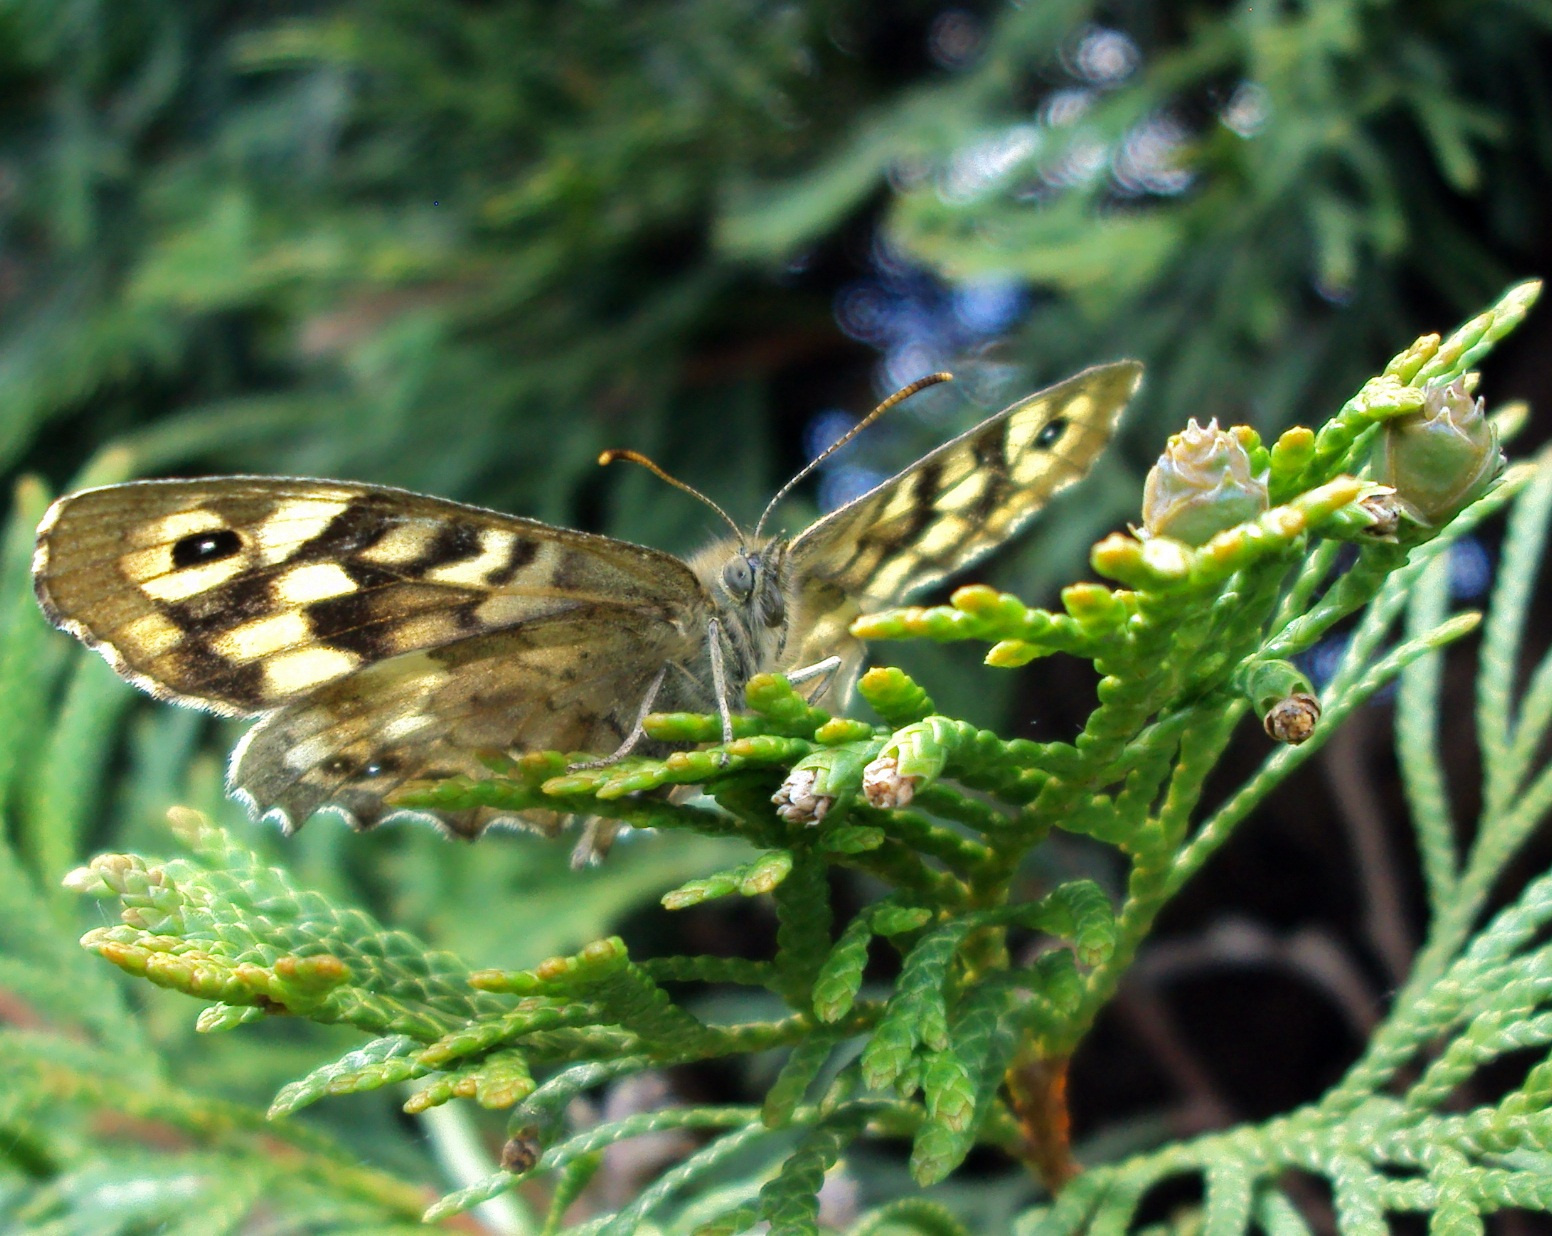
[
  {"x": 382, "y": 765},
  {"x": 198, "y": 548},
  {"x": 1051, "y": 433}
]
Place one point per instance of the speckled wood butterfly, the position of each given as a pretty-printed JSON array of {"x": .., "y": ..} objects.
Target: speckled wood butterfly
[{"x": 382, "y": 636}]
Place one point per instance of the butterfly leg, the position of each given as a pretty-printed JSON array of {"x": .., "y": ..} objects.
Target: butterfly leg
[
  {"x": 597, "y": 837},
  {"x": 822, "y": 670},
  {"x": 719, "y": 682},
  {"x": 638, "y": 731}
]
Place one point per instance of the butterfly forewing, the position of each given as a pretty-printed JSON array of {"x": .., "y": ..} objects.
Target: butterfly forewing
[
  {"x": 953, "y": 505},
  {"x": 245, "y": 593},
  {"x": 397, "y": 635}
]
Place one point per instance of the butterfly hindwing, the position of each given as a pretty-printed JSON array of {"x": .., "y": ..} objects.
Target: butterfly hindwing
[
  {"x": 570, "y": 683},
  {"x": 953, "y": 505}
]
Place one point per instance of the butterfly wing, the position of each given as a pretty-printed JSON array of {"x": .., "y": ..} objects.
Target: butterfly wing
[
  {"x": 388, "y": 635},
  {"x": 951, "y": 507},
  {"x": 568, "y": 683}
]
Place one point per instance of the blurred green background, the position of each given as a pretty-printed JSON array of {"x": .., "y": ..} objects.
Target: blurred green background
[{"x": 462, "y": 247}]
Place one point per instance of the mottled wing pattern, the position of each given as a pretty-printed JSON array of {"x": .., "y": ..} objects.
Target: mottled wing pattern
[
  {"x": 569, "y": 683},
  {"x": 952, "y": 506},
  {"x": 375, "y": 621}
]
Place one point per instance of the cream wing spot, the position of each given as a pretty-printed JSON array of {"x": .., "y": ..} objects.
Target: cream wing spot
[
  {"x": 180, "y": 585},
  {"x": 404, "y": 727},
  {"x": 495, "y": 545},
  {"x": 303, "y": 755},
  {"x": 143, "y": 564},
  {"x": 399, "y": 545},
  {"x": 150, "y": 635},
  {"x": 423, "y": 631},
  {"x": 1033, "y": 466},
  {"x": 941, "y": 537},
  {"x": 263, "y": 637},
  {"x": 502, "y": 609},
  {"x": 313, "y": 581},
  {"x": 891, "y": 577},
  {"x": 1022, "y": 430},
  {"x": 160, "y": 533},
  {"x": 305, "y": 669},
  {"x": 901, "y": 504},
  {"x": 964, "y": 494},
  {"x": 294, "y": 521}
]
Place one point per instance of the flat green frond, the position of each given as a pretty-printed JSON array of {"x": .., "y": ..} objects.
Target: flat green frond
[
  {"x": 910, "y": 1214},
  {"x": 1519, "y": 567},
  {"x": 894, "y": 696},
  {"x": 382, "y": 1062},
  {"x": 247, "y": 934},
  {"x": 1417, "y": 740},
  {"x": 789, "y": 1201},
  {"x": 743, "y": 1120},
  {"x": 917, "y": 1012},
  {"x": 29, "y": 658},
  {"x": 1230, "y": 1196},
  {"x": 840, "y": 976},
  {"x": 960, "y": 1079},
  {"x": 750, "y": 879},
  {"x": 796, "y": 1076}
]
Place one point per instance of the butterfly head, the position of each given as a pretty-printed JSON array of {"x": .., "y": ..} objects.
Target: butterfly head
[{"x": 752, "y": 582}]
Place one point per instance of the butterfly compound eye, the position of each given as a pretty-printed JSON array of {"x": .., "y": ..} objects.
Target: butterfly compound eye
[
  {"x": 738, "y": 576},
  {"x": 201, "y": 547}
]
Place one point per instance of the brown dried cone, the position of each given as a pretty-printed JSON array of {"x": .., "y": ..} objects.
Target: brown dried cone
[
  {"x": 521, "y": 1151},
  {"x": 1440, "y": 458},
  {"x": 1203, "y": 483},
  {"x": 1384, "y": 508},
  {"x": 885, "y": 786},
  {"x": 798, "y": 800},
  {"x": 1292, "y": 720}
]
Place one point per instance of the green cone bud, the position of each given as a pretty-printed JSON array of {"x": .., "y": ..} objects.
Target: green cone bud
[
  {"x": 1204, "y": 482},
  {"x": 1441, "y": 457}
]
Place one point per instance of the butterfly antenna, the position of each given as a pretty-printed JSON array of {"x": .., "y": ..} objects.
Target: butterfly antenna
[
  {"x": 900, "y": 396},
  {"x": 617, "y": 453}
]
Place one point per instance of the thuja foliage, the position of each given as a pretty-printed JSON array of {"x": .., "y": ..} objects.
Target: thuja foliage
[{"x": 1201, "y": 620}]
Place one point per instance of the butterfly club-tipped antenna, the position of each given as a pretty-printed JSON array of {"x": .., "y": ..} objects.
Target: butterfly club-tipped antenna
[
  {"x": 899, "y": 397},
  {"x": 616, "y": 453}
]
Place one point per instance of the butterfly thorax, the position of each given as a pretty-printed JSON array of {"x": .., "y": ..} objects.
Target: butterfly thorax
[{"x": 748, "y": 585}]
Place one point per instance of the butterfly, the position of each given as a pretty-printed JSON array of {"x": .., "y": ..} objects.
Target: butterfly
[{"x": 382, "y": 637}]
